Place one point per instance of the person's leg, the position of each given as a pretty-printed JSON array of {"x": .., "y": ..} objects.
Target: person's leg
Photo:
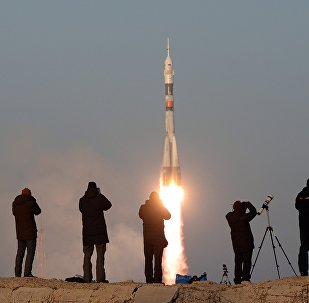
[
  {"x": 303, "y": 252},
  {"x": 247, "y": 256},
  {"x": 238, "y": 267},
  {"x": 158, "y": 252},
  {"x": 19, "y": 257},
  {"x": 100, "y": 270},
  {"x": 31, "y": 246},
  {"x": 87, "y": 266},
  {"x": 148, "y": 252}
]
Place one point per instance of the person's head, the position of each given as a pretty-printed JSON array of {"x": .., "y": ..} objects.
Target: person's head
[
  {"x": 26, "y": 192},
  {"x": 154, "y": 196},
  {"x": 92, "y": 185},
  {"x": 239, "y": 207}
]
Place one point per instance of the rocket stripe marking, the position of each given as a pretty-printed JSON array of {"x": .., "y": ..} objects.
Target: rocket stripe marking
[{"x": 169, "y": 104}]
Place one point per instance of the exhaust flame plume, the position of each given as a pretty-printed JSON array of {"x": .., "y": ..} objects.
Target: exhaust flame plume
[{"x": 174, "y": 260}]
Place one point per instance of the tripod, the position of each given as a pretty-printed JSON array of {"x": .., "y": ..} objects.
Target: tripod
[
  {"x": 225, "y": 278},
  {"x": 272, "y": 236}
]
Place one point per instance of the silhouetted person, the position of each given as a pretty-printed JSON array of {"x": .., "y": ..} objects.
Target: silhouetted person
[
  {"x": 92, "y": 205},
  {"x": 24, "y": 209},
  {"x": 302, "y": 204},
  {"x": 153, "y": 213},
  {"x": 242, "y": 239}
]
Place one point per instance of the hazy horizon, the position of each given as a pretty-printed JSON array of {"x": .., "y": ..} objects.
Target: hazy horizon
[{"x": 82, "y": 99}]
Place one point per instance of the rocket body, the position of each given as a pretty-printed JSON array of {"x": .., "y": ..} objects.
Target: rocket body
[{"x": 170, "y": 167}]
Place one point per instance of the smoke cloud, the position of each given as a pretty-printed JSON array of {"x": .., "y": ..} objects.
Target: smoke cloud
[{"x": 58, "y": 177}]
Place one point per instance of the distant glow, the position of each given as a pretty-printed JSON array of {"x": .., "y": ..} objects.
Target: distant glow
[{"x": 174, "y": 260}]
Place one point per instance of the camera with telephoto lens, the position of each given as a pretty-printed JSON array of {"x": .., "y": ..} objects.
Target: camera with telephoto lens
[
  {"x": 265, "y": 204},
  {"x": 225, "y": 271}
]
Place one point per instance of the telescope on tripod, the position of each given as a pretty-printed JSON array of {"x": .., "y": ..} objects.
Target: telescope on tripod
[
  {"x": 272, "y": 234},
  {"x": 225, "y": 278}
]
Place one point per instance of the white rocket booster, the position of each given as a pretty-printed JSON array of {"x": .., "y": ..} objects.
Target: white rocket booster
[{"x": 170, "y": 166}]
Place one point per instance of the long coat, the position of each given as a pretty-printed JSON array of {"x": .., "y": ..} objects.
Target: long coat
[
  {"x": 24, "y": 209},
  {"x": 153, "y": 213},
  {"x": 92, "y": 205},
  {"x": 241, "y": 234},
  {"x": 302, "y": 205}
]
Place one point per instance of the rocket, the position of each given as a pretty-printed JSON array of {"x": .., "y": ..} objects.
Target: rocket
[{"x": 170, "y": 171}]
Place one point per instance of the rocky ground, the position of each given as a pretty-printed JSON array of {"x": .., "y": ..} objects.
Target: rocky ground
[{"x": 294, "y": 289}]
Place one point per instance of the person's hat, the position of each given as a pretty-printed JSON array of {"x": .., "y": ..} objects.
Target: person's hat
[
  {"x": 92, "y": 185},
  {"x": 26, "y": 192}
]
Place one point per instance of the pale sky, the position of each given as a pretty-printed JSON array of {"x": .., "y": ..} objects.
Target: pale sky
[{"x": 82, "y": 99}]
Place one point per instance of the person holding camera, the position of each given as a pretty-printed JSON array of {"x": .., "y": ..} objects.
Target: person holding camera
[
  {"x": 92, "y": 205},
  {"x": 242, "y": 238},
  {"x": 302, "y": 205},
  {"x": 153, "y": 213},
  {"x": 24, "y": 209}
]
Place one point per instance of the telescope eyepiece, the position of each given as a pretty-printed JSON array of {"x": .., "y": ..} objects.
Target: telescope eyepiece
[
  {"x": 269, "y": 198},
  {"x": 265, "y": 204}
]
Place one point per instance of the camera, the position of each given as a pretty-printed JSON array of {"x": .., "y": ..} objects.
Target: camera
[
  {"x": 225, "y": 279},
  {"x": 265, "y": 204}
]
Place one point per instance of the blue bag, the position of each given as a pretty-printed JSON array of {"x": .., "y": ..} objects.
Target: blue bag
[
  {"x": 187, "y": 279},
  {"x": 183, "y": 279}
]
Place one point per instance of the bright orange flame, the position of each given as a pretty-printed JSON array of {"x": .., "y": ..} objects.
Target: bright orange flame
[{"x": 174, "y": 260}]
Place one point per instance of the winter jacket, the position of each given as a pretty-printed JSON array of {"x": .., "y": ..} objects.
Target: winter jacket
[
  {"x": 92, "y": 205},
  {"x": 302, "y": 205},
  {"x": 24, "y": 209},
  {"x": 241, "y": 234},
  {"x": 153, "y": 213}
]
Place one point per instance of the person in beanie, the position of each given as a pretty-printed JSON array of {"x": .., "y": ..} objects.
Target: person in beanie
[
  {"x": 92, "y": 206},
  {"x": 242, "y": 239},
  {"x": 302, "y": 205},
  {"x": 24, "y": 209},
  {"x": 153, "y": 213}
]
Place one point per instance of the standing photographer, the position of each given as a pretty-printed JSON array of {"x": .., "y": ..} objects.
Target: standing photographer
[
  {"x": 92, "y": 205},
  {"x": 302, "y": 205},
  {"x": 242, "y": 238},
  {"x": 24, "y": 209},
  {"x": 153, "y": 213}
]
